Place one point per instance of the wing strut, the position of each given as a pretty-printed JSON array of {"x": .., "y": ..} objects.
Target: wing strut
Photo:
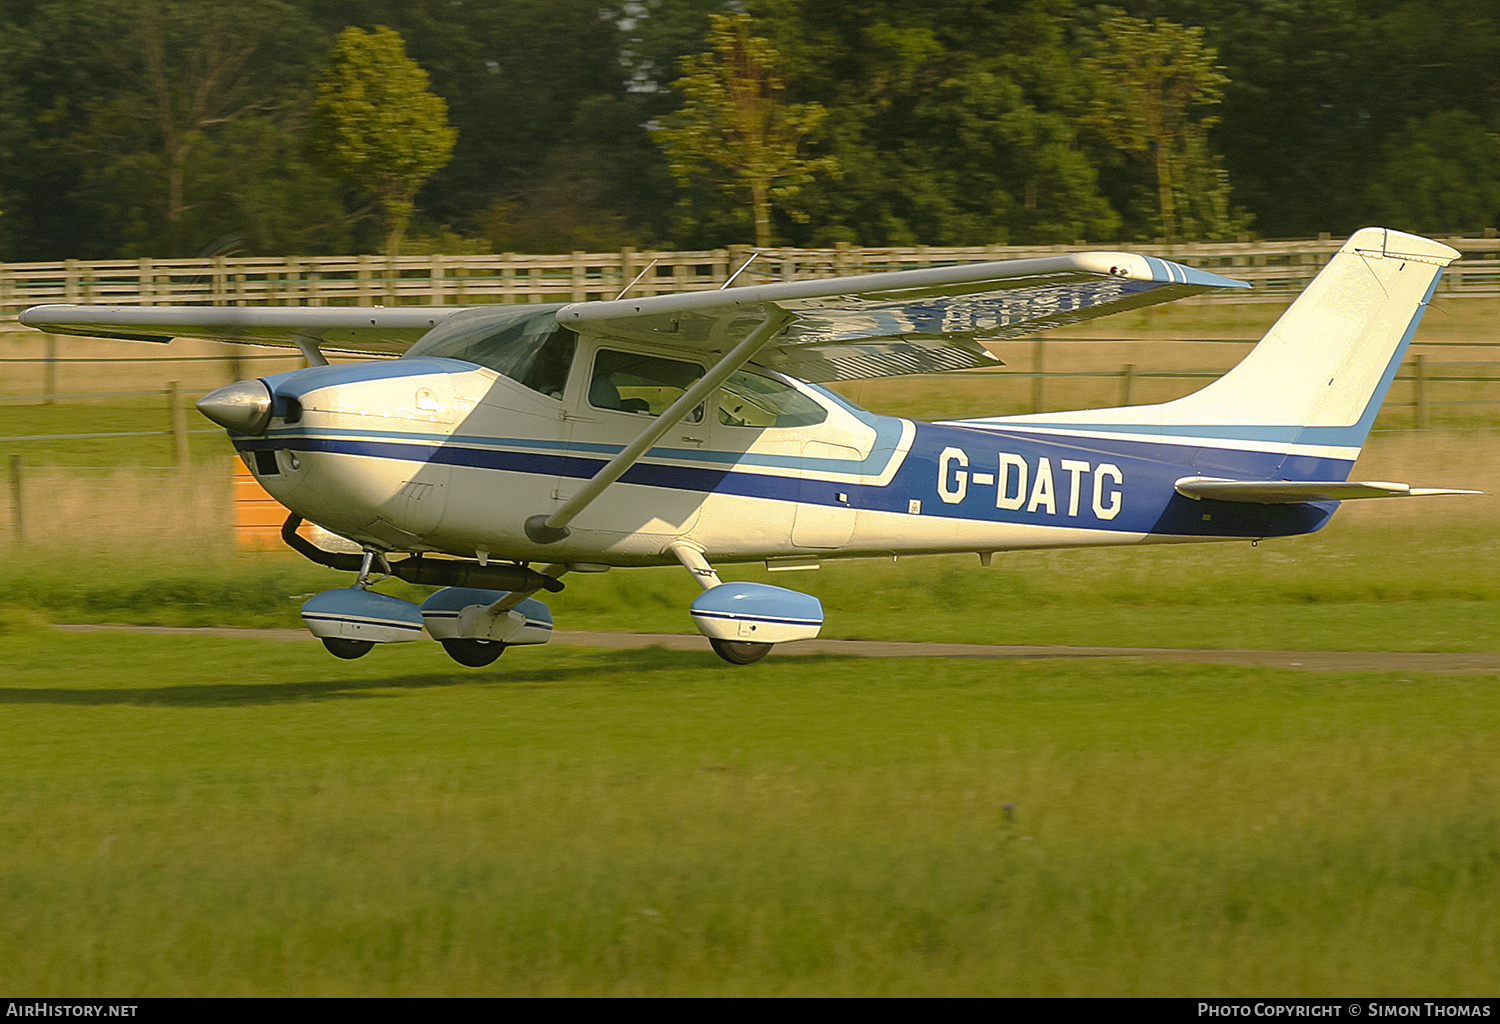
[
  {"x": 307, "y": 344},
  {"x": 549, "y": 529}
]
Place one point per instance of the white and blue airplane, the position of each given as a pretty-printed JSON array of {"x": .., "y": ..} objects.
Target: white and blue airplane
[{"x": 509, "y": 445}]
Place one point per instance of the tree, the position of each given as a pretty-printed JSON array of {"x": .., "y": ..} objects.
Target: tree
[
  {"x": 127, "y": 108},
  {"x": 953, "y": 122},
  {"x": 1150, "y": 78},
  {"x": 736, "y": 125},
  {"x": 517, "y": 75},
  {"x": 376, "y": 125},
  {"x": 1441, "y": 175}
]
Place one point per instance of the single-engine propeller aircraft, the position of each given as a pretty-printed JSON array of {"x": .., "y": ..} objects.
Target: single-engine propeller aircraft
[{"x": 512, "y": 444}]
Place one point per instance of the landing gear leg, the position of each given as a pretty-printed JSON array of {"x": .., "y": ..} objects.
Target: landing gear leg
[{"x": 367, "y": 568}]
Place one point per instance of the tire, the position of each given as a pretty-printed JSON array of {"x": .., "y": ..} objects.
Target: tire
[
  {"x": 740, "y": 652},
  {"x": 473, "y": 653},
  {"x": 343, "y": 647}
]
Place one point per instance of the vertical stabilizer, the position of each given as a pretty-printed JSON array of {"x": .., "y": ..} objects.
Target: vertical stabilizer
[
  {"x": 1327, "y": 363},
  {"x": 1316, "y": 380}
]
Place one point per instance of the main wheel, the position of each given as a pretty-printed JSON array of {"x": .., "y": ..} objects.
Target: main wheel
[
  {"x": 343, "y": 647},
  {"x": 473, "y": 653},
  {"x": 740, "y": 652}
]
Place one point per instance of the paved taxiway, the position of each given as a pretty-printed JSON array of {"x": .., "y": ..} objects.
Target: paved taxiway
[{"x": 1314, "y": 661}]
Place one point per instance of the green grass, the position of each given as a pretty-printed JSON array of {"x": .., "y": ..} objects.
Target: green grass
[
  {"x": 230, "y": 817},
  {"x": 1368, "y": 587}
]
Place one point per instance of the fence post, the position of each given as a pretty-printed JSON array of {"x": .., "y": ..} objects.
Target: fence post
[
  {"x": 736, "y": 258},
  {"x": 1127, "y": 377},
  {"x": 1038, "y": 374},
  {"x": 49, "y": 369},
  {"x": 18, "y": 498},
  {"x": 1419, "y": 388},
  {"x": 178, "y": 418},
  {"x": 579, "y": 277},
  {"x": 363, "y": 288}
]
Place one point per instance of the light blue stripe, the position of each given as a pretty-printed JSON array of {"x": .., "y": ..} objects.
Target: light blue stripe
[
  {"x": 882, "y": 452},
  {"x": 1349, "y": 437},
  {"x": 756, "y": 618}
]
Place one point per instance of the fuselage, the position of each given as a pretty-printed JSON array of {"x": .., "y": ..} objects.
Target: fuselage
[{"x": 453, "y": 446}]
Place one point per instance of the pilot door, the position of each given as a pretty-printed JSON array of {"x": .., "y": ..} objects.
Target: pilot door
[{"x": 621, "y": 392}]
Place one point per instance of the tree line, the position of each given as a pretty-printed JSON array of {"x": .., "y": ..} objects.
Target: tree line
[{"x": 193, "y": 127}]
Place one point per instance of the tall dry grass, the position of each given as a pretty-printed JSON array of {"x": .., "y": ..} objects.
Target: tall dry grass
[{"x": 96, "y": 511}]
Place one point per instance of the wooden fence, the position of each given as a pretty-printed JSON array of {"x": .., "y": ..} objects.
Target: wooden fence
[{"x": 1274, "y": 268}]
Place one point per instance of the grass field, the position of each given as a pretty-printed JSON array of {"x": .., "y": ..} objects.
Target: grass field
[
  {"x": 230, "y": 817},
  {"x": 1367, "y": 583},
  {"x": 191, "y": 816},
  {"x": 200, "y": 816}
]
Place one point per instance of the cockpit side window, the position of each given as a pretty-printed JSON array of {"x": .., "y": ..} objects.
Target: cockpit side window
[
  {"x": 530, "y": 348},
  {"x": 631, "y": 382}
]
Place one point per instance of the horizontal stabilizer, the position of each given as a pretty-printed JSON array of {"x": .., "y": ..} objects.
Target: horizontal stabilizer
[{"x": 1288, "y": 492}]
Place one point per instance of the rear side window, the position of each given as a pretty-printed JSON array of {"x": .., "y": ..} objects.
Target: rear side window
[{"x": 750, "y": 399}]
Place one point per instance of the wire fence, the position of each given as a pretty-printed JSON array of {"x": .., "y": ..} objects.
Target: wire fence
[
  {"x": 1421, "y": 380},
  {"x": 41, "y": 471}
]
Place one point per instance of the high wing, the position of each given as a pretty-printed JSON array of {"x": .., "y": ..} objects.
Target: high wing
[
  {"x": 848, "y": 328},
  {"x": 354, "y": 329},
  {"x": 909, "y": 321}
]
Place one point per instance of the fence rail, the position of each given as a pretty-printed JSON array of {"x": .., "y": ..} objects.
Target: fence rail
[
  {"x": 1274, "y": 268},
  {"x": 1420, "y": 375}
]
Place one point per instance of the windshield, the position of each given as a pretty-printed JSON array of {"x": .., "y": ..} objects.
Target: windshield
[{"x": 524, "y": 343}]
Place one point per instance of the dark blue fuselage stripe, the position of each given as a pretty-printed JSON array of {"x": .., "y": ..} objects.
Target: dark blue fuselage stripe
[
  {"x": 360, "y": 620},
  {"x": 1149, "y": 503}
]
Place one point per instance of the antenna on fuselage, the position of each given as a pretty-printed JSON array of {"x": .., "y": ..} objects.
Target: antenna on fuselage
[
  {"x": 740, "y": 271},
  {"x": 638, "y": 277}
]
